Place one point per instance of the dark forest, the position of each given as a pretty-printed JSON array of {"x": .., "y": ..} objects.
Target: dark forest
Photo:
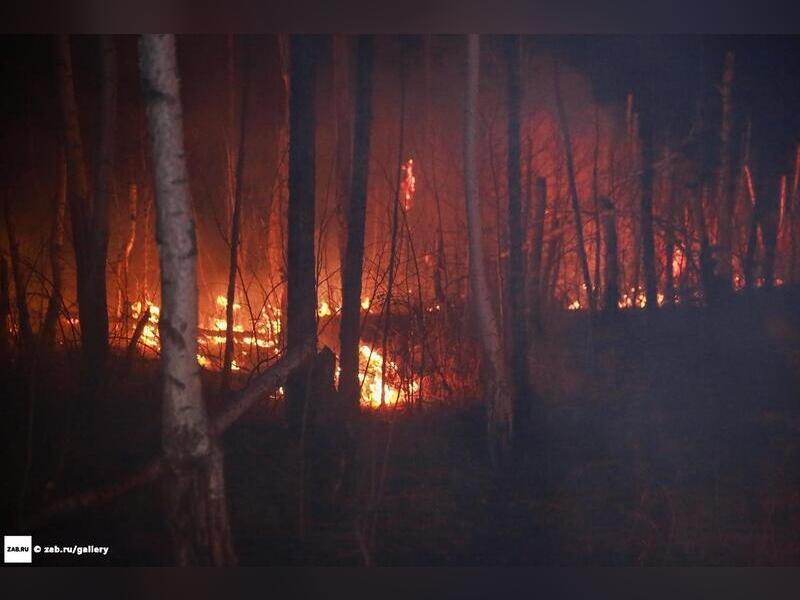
[{"x": 401, "y": 300}]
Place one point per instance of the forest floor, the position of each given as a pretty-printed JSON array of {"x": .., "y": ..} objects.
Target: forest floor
[{"x": 665, "y": 439}]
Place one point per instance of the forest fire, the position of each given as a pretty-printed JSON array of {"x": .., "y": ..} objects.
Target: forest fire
[
  {"x": 384, "y": 297},
  {"x": 375, "y": 393}
]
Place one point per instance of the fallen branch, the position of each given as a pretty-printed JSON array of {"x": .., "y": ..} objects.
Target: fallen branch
[
  {"x": 262, "y": 385},
  {"x": 239, "y": 403}
]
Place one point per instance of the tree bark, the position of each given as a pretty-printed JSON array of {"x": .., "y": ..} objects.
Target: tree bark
[
  {"x": 103, "y": 190},
  {"x": 352, "y": 266},
  {"x": 235, "y": 229},
  {"x": 48, "y": 331},
  {"x": 670, "y": 237},
  {"x": 301, "y": 308},
  {"x": 195, "y": 502},
  {"x": 25, "y": 335},
  {"x": 612, "y": 264},
  {"x": 89, "y": 220},
  {"x": 500, "y": 410},
  {"x": 393, "y": 245},
  {"x": 535, "y": 269},
  {"x": 5, "y": 311},
  {"x": 573, "y": 190},
  {"x": 516, "y": 290},
  {"x": 127, "y": 249},
  {"x": 343, "y": 99},
  {"x": 726, "y": 183},
  {"x": 646, "y": 135}
]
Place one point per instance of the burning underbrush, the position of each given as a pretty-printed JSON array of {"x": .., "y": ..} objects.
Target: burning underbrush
[{"x": 422, "y": 366}]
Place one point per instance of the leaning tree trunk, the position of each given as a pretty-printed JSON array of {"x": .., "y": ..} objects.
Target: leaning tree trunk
[
  {"x": 195, "y": 490},
  {"x": 516, "y": 291},
  {"x": 352, "y": 266},
  {"x": 500, "y": 412},
  {"x": 573, "y": 190},
  {"x": 238, "y": 183},
  {"x": 301, "y": 311}
]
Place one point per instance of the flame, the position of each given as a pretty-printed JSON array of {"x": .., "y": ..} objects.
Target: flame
[
  {"x": 222, "y": 325},
  {"x": 324, "y": 309},
  {"x": 264, "y": 334},
  {"x": 372, "y": 385},
  {"x": 222, "y": 301},
  {"x": 408, "y": 184}
]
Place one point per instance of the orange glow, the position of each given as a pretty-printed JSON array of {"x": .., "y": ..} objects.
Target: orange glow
[
  {"x": 408, "y": 185},
  {"x": 372, "y": 384}
]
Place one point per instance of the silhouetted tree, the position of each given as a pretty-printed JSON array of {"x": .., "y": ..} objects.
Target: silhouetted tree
[
  {"x": 352, "y": 265},
  {"x": 516, "y": 290},
  {"x": 573, "y": 189},
  {"x": 301, "y": 307},
  {"x": 233, "y": 264},
  {"x": 89, "y": 213}
]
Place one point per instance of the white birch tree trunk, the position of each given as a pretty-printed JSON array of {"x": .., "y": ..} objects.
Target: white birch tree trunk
[
  {"x": 196, "y": 507},
  {"x": 499, "y": 401}
]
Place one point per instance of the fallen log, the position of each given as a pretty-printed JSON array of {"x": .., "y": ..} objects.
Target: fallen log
[{"x": 239, "y": 403}]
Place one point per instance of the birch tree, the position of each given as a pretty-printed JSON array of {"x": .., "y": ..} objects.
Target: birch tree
[
  {"x": 195, "y": 491},
  {"x": 499, "y": 409}
]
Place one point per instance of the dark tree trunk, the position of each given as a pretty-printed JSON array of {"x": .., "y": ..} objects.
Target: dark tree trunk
[
  {"x": 670, "y": 236},
  {"x": 301, "y": 308},
  {"x": 499, "y": 402},
  {"x": 48, "y": 331},
  {"x": 89, "y": 219},
  {"x": 394, "y": 242},
  {"x": 612, "y": 264},
  {"x": 235, "y": 228},
  {"x": 573, "y": 191},
  {"x": 646, "y": 135},
  {"x": 725, "y": 182},
  {"x": 707, "y": 277},
  {"x": 127, "y": 250},
  {"x": 352, "y": 265},
  {"x": 516, "y": 290},
  {"x": 103, "y": 190},
  {"x": 25, "y": 338},
  {"x": 343, "y": 98},
  {"x": 5, "y": 311},
  {"x": 195, "y": 492},
  {"x": 767, "y": 217},
  {"x": 535, "y": 268}
]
